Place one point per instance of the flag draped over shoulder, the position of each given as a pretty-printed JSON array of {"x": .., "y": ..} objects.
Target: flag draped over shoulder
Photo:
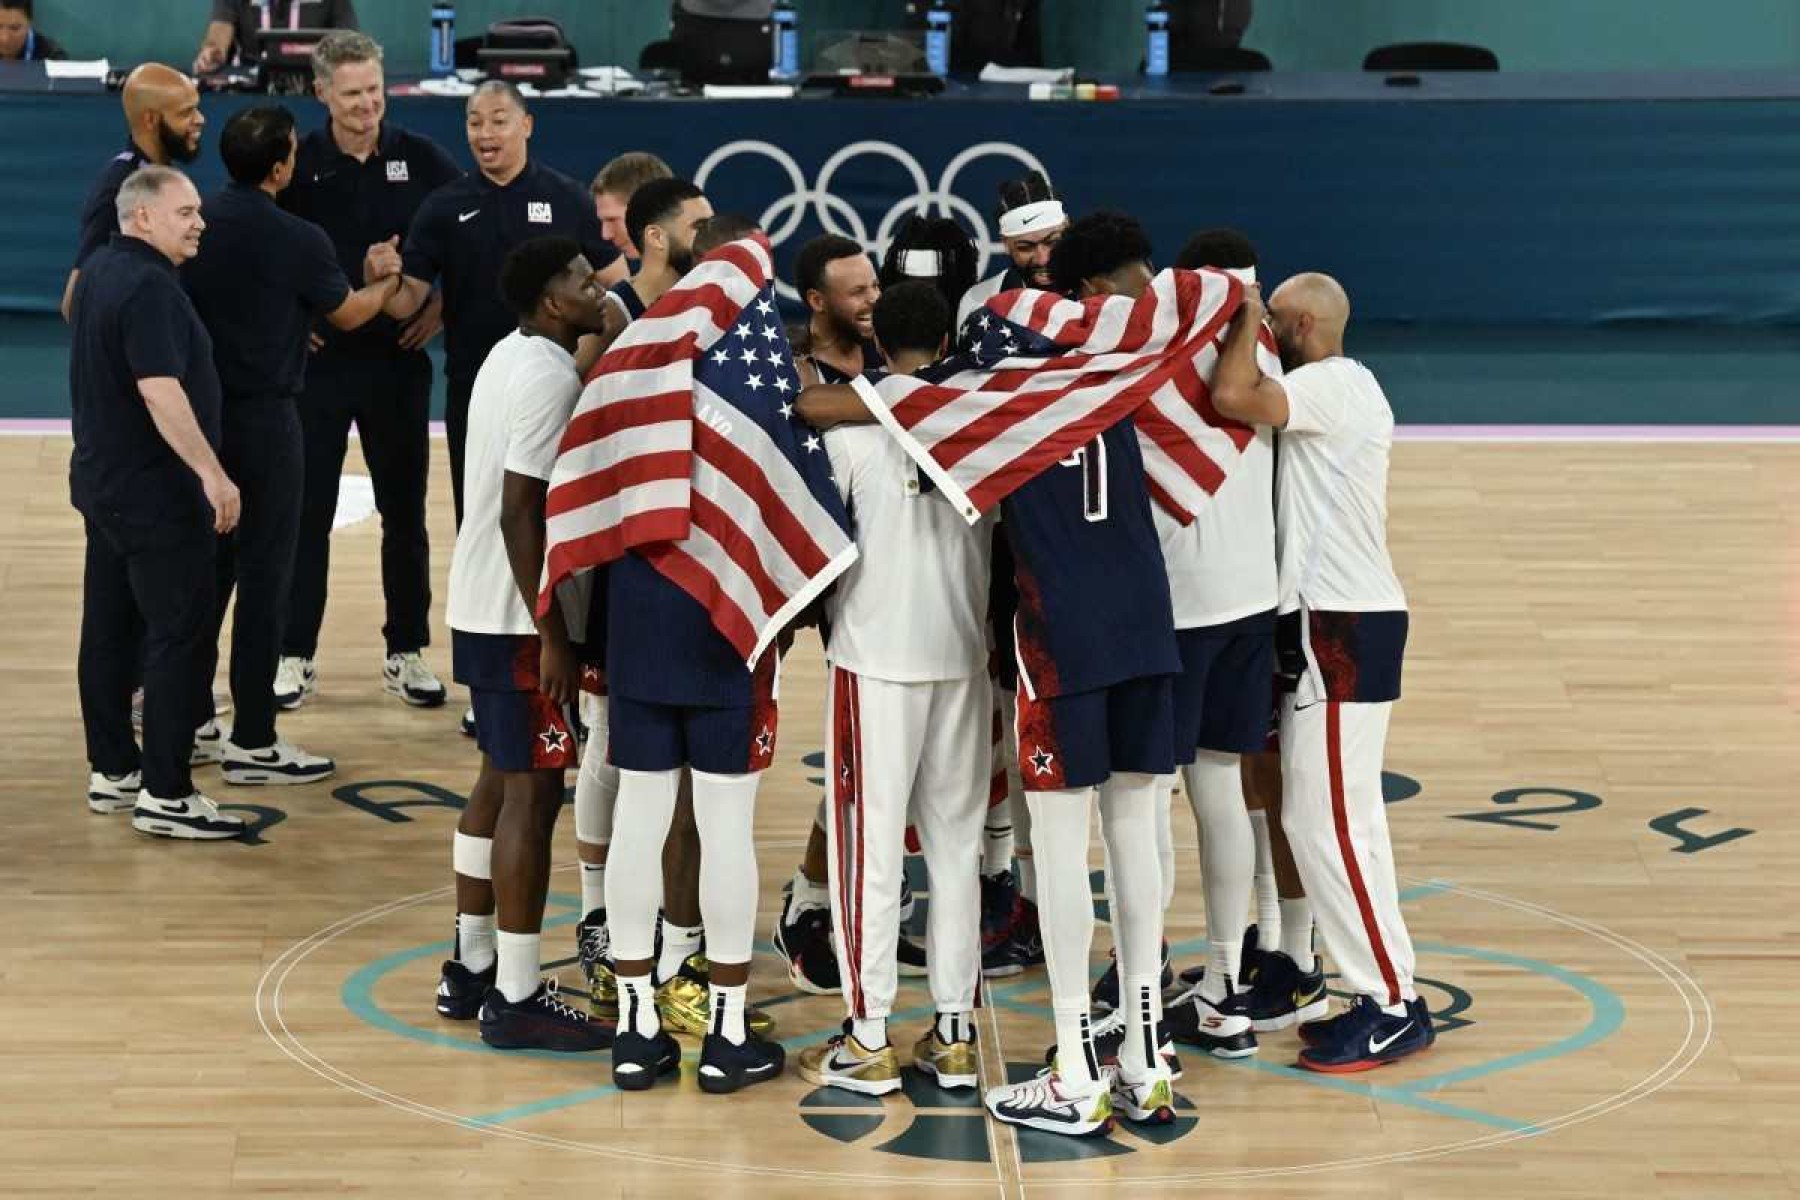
[
  {"x": 684, "y": 450},
  {"x": 1040, "y": 376}
]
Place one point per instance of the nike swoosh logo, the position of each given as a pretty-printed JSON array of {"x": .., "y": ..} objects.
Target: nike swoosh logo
[
  {"x": 1066, "y": 1116},
  {"x": 468, "y": 216},
  {"x": 1376, "y": 1047},
  {"x": 177, "y": 808},
  {"x": 267, "y": 756}
]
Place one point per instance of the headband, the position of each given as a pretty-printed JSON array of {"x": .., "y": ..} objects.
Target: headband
[
  {"x": 921, "y": 264},
  {"x": 1035, "y": 217}
]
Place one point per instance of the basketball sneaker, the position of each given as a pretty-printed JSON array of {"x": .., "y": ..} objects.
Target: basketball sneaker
[
  {"x": 1363, "y": 1037},
  {"x": 1106, "y": 988},
  {"x": 593, "y": 949},
  {"x": 684, "y": 1002},
  {"x": 1285, "y": 995},
  {"x": 803, "y": 939},
  {"x": 277, "y": 763},
  {"x": 209, "y": 745},
  {"x": 998, "y": 891},
  {"x": 407, "y": 676},
  {"x": 192, "y": 817},
  {"x": 999, "y": 957},
  {"x": 1422, "y": 1013},
  {"x": 1314, "y": 1032},
  {"x": 638, "y": 1061},
  {"x": 1149, "y": 1100},
  {"x": 460, "y": 991},
  {"x": 1222, "y": 1028},
  {"x": 295, "y": 680},
  {"x": 1049, "y": 1102},
  {"x": 727, "y": 1066},
  {"x": 1109, "y": 1035},
  {"x": 541, "y": 1021},
  {"x": 843, "y": 1062},
  {"x": 951, "y": 1064},
  {"x": 113, "y": 793},
  {"x": 468, "y": 723},
  {"x": 1027, "y": 939},
  {"x": 909, "y": 957}
]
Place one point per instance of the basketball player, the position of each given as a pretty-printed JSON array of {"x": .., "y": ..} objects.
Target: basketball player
[
  {"x": 909, "y": 710},
  {"x": 1342, "y": 635},
  {"x": 521, "y": 671},
  {"x": 613, "y": 187},
  {"x": 1031, "y": 219}
]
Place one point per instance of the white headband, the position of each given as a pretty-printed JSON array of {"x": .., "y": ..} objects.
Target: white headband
[
  {"x": 1032, "y": 218},
  {"x": 921, "y": 264},
  {"x": 1241, "y": 274}
]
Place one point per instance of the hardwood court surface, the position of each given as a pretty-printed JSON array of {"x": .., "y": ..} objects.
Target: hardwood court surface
[{"x": 1606, "y": 641}]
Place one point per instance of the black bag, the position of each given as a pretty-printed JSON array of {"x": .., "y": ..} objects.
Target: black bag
[
  {"x": 722, "y": 49},
  {"x": 1008, "y": 32}
]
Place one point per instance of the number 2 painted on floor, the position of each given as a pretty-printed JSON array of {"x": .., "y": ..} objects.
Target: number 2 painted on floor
[{"x": 1577, "y": 802}]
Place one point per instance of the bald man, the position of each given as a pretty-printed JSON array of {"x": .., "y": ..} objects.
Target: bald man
[
  {"x": 163, "y": 120},
  {"x": 1340, "y": 637}
]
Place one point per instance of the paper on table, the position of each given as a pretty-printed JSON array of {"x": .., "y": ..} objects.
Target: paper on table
[
  {"x": 73, "y": 69},
  {"x": 748, "y": 91},
  {"x": 995, "y": 73}
]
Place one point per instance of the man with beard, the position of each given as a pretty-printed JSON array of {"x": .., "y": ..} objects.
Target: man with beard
[
  {"x": 1032, "y": 221},
  {"x": 162, "y": 112},
  {"x": 666, "y": 212}
]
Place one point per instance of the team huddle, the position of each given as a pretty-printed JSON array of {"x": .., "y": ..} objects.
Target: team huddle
[{"x": 999, "y": 657}]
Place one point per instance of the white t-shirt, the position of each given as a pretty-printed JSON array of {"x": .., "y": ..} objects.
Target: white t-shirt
[
  {"x": 977, "y": 296},
  {"x": 524, "y": 395},
  {"x": 1331, "y": 480},
  {"x": 1222, "y": 567},
  {"x": 913, "y": 608}
]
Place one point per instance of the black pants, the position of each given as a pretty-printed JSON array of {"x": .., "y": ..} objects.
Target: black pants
[
  {"x": 261, "y": 453},
  {"x": 388, "y": 397},
  {"x": 147, "y": 591},
  {"x": 456, "y": 431}
]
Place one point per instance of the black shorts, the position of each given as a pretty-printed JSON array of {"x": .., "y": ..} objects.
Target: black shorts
[{"x": 1223, "y": 695}]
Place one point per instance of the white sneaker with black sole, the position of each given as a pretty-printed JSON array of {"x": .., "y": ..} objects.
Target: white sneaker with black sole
[
  {"x": 209, "y": 745},
  {"x": 407, "y": 676},
  {"x": 192, "y": 817},
  {"x": 113, "y": 793},
  {"x": 279, "y": 764},
  {"x": 295, "y": 679}
]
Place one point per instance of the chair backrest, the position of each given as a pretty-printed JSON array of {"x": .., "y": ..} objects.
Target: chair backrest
[
  {"x": 1216, "y": 58},
  {"x": 1431, "y": 56}
]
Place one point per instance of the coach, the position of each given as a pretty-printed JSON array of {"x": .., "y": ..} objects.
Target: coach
[
  {"x": 262, "y": 278},
  {"x": 147, "y": 480},
  {"x": 361, "y": 178}
]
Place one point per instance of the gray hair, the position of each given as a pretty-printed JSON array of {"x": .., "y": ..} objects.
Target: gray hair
[
  {"x": 141, "y": 187},
  {"x": 339, "y": 48}
]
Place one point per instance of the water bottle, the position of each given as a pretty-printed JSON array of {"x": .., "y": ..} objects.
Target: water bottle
[
  {"x": 937, "y": 38},
  {"x": 1156, "y": 49},
  {"x": 443, "y": 39},
  {"x": 786, "y": 23}
]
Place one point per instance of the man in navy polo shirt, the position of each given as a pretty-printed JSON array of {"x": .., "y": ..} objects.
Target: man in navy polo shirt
[
  {"x": 463, "y": 232},
  {"x": 162, "y": 111},
  {"x": 263, "y": 278},
  {"x": 361, "y": 178},
  {"x": 147, "y": 480}
]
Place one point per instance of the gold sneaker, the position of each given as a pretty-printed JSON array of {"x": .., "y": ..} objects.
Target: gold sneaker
[
  {"x": 684, "y": 1004},
  {"x": 844, "y": 1062},
  {"x": 593, "y": 952},
  {"x": 952, "y": 1064}
]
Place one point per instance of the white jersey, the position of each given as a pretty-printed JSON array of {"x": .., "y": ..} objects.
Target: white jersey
[
  {"x": 520, "y": 406},
  {"x": 913, "y": 608},
  {"x": 1331, "y": 506},
  {"x": 979, "y": 295},
  {"x": 1222, "y": 567}
]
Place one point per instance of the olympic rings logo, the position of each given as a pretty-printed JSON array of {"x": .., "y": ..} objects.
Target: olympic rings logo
[{"x": 836, "y": 215}]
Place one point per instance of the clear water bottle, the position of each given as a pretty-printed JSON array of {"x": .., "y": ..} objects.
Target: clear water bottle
[
  {"x": 443, "y": 38},
  {"x": 786, "y": 24},
  {"x": 937, "y": 38},
  {"x": 1156, "y": 46}
]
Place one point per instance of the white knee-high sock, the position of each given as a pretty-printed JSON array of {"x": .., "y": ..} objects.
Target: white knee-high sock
[
  {"x": 596, "y": 791},
  {"x": 519, "y": 970},
  {"x": 1165, "y": 837},
  {"x": 634, "y": 877},
  {"x": 472, "y": 857},
  {"x": 1268, "y": 895},
  {"x": 1228, "y": 858},
  {"x": 725, "y": 812},
  {"x": 1128, "y": 823},
  {"x": 1059, "y": 826}
]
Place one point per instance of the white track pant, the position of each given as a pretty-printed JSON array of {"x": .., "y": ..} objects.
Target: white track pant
[
  {"x": 890, "y": 746},
  {"x": 1336, "y": 822}
]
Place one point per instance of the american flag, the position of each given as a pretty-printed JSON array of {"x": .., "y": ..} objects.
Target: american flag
[
  {"x": 685, "y": 450},
  {"x": 1040, "y": 376}
]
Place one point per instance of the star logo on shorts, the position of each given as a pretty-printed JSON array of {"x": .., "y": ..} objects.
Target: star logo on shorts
[
  {"x": 1040, "y": 760},
  {"x": 765, "y": 742},
  {"x": 555, "y": 741}
]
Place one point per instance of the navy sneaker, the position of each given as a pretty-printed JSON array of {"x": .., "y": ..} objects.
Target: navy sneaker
[
  {"x": 803, "y": 939},
  {"x": 1422, "y": 1014},
  {"x": 1284, "y": 995},
  {"x": 1364, "y": 1037},
  {"x": 726, "y": 1066},
  {"x": 1027, "y": 939},
  {"x": 909, "y": 956},
  {"x": 1222, "y": 1028},
  {"x": 460, "y": 991},
  {"x": 997, "y": 895},
  {"x": 541, "y": 1021},
  {"x": 638, "y": 1061},
  {"x": 1106, "y": 989}
]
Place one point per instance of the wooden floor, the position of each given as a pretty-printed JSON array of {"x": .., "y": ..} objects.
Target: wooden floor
[{"x": 1598, "y": 754}]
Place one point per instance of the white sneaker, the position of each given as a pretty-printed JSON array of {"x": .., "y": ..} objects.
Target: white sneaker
[
  {"x": 1050, "y": 1103},
  {"x": 407, "y": 676},
  {"x": 295, "y": 680},
  {"x": 468, "y": 722},
  {"x": 1146, "y": 1101},
  {"x": 192, "y": 817},
  {"x": 209, "y": 745},
  {"x": 113, "y": 793},
  {"x": 279, "y": 763}
]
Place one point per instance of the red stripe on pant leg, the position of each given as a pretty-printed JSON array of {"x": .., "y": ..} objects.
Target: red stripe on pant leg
[
  {"x": 1340, "y": 817},
  {"x": 862, "y": 812},
  {"x": 844, "y": 802}
]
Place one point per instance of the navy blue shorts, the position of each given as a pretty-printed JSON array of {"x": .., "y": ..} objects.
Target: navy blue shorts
[
  {"x": 1077, "y": 741},
  {"x": 737, "y": 740},
  {"x": 1223, "y": 694},
  {"x": 517, "y": 727}
]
